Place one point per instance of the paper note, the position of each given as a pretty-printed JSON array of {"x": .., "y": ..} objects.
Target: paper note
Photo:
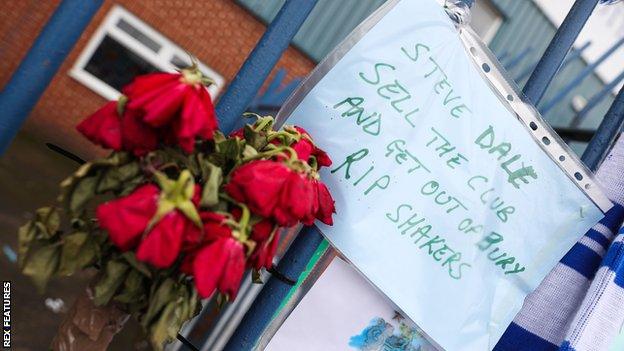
[{"x": 445, "y": 201}]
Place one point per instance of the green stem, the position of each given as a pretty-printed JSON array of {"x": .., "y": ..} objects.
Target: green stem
[{"x": 271, "y": 153}]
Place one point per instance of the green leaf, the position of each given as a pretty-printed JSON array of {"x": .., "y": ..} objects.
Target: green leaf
[
  {"x": 78, "y": 252},
  {"x": 230, "y": 148},
  {"x": 256, "y": 277},
  {"x": 131, "y": 184},
  {"x": 133, "y": 290},
  {"x": 136, "y": 264},
  {"x": 256, "y": 139},
  {"x": 25, "y": 236},
  {"x": 163, "y": 294},
  {"x": 210, "y": 193},
  {"x": 115, "y": 177},
  {"x": 222, "y": 300},
  {"x": 166, "y": 327},
  {"x": 113, "y": 277},
  {"x": 41, "y": 265},
  {"x": 50, "y": 218},
  {"x": 74, "y": 184},
  {"x": 218, "y": 137},
  {"x": 82, "y": 193},
  {"x": 194, "y": 303}
]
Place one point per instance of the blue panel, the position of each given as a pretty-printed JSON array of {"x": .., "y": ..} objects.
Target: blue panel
[
  {"x": 41, "y": 62},
  {"x": 525, "y": 26},
  {"x": 329, "y": 23}
]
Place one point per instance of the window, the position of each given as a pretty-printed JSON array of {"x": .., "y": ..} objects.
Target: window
[
  {"x": 486, "y": 19},
  {"x": 124, "y": 47}
]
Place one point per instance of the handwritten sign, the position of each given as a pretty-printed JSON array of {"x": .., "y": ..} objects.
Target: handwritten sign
[{"x": 445, "y": 201}]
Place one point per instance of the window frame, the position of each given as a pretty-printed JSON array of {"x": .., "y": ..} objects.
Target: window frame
[
  {"x": 495, "y": 24},
  {"x": 161, "y": 59}
]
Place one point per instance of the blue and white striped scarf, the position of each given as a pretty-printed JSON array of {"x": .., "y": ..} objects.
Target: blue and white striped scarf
[{"x": 580, "y": 304}]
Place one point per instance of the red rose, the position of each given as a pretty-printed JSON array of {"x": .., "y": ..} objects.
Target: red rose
[
  {"x": 214, "y": 228},
  {"x": 126, "y": 218},
  {"x": 137, "y": 136},
  {"x": 219, "y": 265},
  {"x": 305, "y": 148},
  {"x": 258, "y": 184},
  {"x": 326, "y": 204},
  {"x": 162, "y": 244},
  {"x": 273, "y": 190},
  {"x": 297, "y": 201},
  {"x": 107, "y": 129},
  {"x": 103, "y": 127},
  {"x": 179, "y": 104},
  {"x": 266, "y": 236}
]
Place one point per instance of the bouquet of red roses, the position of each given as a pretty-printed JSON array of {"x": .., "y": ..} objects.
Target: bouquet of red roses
[{"x": 178, "y": 211}]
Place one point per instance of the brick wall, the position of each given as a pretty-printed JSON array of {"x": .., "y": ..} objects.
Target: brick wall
[{"x": 219, "y": 32}]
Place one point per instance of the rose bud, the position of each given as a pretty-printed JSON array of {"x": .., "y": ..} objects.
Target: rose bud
[
  {"x": 258, "y": 184},
  {"x": 159, "y": 221},
  {"x": 103, "y": 127},
  {"x": 214, "y": 228},
  {"x": 306, "y": 148},
  {"x": 219, "y": 265},
  {"x": 137, "y": 136},
  {"x": 126, "y": 218},
  {"x": 162, "y": 244},
  {"x": 326, "y": 204},
  {"x": 266, "y": 236},
  {"x": 107, "y": 129},
  {"x": 297, "y": 201},
  {"x": 178, "y": 103}
]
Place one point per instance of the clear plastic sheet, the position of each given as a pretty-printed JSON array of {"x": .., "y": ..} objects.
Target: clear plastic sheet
[{"x": 89, "y": 327}]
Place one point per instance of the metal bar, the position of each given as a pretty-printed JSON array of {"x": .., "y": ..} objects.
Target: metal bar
[
  {"x": 589, "y": 69},
  {"x": 230, "y": 107},
  {"x": 595, "y": 100},
  {"x": 606, "y": 133},
  {"x": 557, "y": 50},
  {"x": 266, "y": 305},
  {"x": 42, "y": 61},
  {"x": 575, "y": 53},
  {"x": 261, "y": 61}
]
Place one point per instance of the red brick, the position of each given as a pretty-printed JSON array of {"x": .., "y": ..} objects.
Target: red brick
[{"x": 219, "y": 32}]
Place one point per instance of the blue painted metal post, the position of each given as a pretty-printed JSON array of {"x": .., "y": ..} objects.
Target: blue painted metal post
[
  {"x": 589, "y": 69},
  {"x": 608, "y": 130},
  {"x": 557, "y": 50},
  {"x": 268, "y": 301},
  {"x": 232, "y": 104},
  {"x": 261, "y": 61},
  {"x": 595, "y": 100},
  {"x": 42, "y": 61}
]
